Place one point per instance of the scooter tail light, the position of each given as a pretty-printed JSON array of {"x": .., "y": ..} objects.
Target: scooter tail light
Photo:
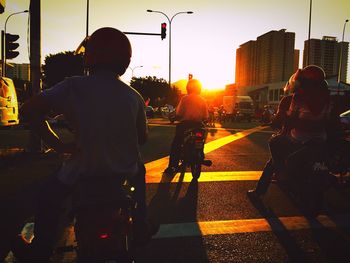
[
  {"x": 104, "y": 236},
  {"x": 199, "y": 134}
]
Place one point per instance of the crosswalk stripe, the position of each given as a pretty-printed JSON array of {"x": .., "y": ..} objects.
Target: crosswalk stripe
[
  {"x": 159, "y": 165},
  {"x": 196, "y": 229},
  {"x": 155, "y": 177}
]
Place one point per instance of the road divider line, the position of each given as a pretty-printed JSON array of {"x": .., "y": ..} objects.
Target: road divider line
[
  {"x": 216, "y": 144},
  {"x": 155, "y": 177},
  {"x": 196, "y": 229},
  {"x": 159, "y": 165}
]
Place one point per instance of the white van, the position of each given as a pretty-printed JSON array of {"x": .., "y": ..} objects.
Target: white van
[{"x": 8, "y": 103}]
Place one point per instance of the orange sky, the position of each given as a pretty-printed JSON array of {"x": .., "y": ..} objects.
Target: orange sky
[{"x": 203, "y": 43}]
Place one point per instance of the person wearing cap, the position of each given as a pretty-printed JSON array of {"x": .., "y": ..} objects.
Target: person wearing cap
[
  {"x": 109, "y": 121},
  {"x": 191, "y": 111}
]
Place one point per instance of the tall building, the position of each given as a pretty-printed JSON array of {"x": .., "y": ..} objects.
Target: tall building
[
  {"x": 19, "y": 71},
  {"x": 325, "y": 53},
  {"x": 269, "y": 59},
  {"x": 246, "y": 64}
]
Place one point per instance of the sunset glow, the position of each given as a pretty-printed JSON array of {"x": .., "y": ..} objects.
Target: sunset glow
[{"x": 203, "y": 43}]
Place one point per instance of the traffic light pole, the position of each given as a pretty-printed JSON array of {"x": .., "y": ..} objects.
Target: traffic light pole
[
  {"x": 35, "y": 144},
  {"x": 3, "y": 65},
  {"x": 145, "y": 34}
]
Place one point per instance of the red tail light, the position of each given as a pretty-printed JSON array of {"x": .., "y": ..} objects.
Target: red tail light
[
  {"x": 199, "y": 134},
  {"x": 104, "y": 236}
]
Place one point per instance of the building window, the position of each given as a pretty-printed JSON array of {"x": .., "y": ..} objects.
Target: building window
[
  {"x": 276, "y": 95},
  {"x": 270, "y": 95},
  {"x": 281, "y": 93}
]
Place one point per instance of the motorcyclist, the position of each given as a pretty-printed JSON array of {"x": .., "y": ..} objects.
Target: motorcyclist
[
  {"x": 110, "y": 123},
  {"x": 310, "y": 115},
  {"x": 300, "y": 119},
  {"x": 191, "y": 111},
  {"x": 277, "y": 123}
]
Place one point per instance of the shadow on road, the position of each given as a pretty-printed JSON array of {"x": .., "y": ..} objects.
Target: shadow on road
[
  {"x": 294, "y": 252},
  {"x": 334, "y": 242},
  {"x": 175, "y": 204}
]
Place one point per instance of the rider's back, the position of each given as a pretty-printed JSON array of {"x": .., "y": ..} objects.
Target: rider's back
[
  {"x": 192, "y": 107},
  {"x": 104, "y": 111}
]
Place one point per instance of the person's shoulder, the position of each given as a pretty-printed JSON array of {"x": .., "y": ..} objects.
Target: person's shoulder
[{"x": 132, "y": 92}]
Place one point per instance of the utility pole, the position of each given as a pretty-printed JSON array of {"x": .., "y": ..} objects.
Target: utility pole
[
  {"x": 308, "y": 44},
  {"x": 35, "y": 144}
]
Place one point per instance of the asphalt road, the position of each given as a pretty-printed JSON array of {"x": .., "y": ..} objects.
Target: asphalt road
[{"x": 212, "y": 220}]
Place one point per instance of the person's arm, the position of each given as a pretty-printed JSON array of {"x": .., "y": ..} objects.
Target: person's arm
[
  {"x": 205, "y": 111},
  {"x": 279, "y": 119},
  {"x": 37, "y": 108},
  {"x": 141, "y": 124},
  {"x": 180, "y": 109},
  {"x": 35, "y": 111}
]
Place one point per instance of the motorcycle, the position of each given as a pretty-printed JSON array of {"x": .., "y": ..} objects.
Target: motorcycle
[
  {"x": 192, "y": 151},
  {"x": 323, "y": 166},
  {"x": 104, "y": 232}
]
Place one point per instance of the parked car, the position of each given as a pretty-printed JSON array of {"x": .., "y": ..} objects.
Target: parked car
[{"x": 345, "y": 119}]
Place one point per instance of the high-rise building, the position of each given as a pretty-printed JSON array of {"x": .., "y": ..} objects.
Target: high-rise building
[
  {"x": 19, "y": 71},
  {"x": 246, "y": 64},
  {"x": 325, "y": 53},
  {"x": 269, "y": 59}
]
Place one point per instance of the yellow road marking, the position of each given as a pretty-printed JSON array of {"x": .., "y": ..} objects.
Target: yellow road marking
[
  {"x": 156, "y": 177},
  {"x": 159, "y": 165},
  {"x": 247, "y": 226}
]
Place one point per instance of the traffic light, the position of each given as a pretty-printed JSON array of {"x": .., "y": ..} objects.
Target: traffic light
[
  {"x": 163, "y": 31},
  {"x": 2, "y": 6},
  {"x": 11, "y": 46}
]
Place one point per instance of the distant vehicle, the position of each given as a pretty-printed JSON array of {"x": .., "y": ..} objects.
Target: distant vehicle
[
  {"x": 238, "y": 107},
  {"x": 8, "y": 103},
  {"x": 345, "y": 119},
  {"x": 167, "y": 110}
]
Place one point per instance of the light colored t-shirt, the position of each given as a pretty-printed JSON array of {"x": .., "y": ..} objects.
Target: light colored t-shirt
[
  {"x": 192, "y": 107},
  {"x": 107, "y": 115}
]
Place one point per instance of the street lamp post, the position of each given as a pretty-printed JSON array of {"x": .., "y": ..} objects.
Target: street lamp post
[
  {"x": 132, "y": 70},
  {"x": 341, "y": 54},
  {"x": 308, "y": 45},
  {"x": 170, "y": 20},
  {"x": 4, "y": 39}
]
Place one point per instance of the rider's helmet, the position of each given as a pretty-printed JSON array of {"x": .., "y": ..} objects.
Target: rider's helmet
[
  {"x": 194, "y": 86},
  {"x": 310, "y": 76},
  {"x": 108, "y": 48}
]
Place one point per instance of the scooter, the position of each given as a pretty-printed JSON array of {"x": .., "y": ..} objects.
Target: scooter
[
  {"x": 192, "y": 151},
  {"x": 104, "y": 232},
  {"x": 325, "y": 166}
]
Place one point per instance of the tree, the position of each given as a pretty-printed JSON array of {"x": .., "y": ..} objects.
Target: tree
[
  {"x": 156, "y": 89},
  {"x": 59, "y": 66}
]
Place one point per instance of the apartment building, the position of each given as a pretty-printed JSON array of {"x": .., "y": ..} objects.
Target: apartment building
[
  {"x": 19, "y": 71},
  {"x": 326, "y": 53},
  {"x": 269, "y": 59}
]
